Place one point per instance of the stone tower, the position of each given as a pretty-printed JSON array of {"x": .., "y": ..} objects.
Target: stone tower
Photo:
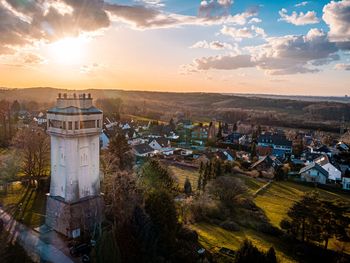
[{"x": 74, "y": 203}]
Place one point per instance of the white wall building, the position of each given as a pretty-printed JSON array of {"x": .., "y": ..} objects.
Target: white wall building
[{"x": 74, "y": 126}]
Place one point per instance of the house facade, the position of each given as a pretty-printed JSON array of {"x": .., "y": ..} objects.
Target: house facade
[{"x": 313, "y": 173}]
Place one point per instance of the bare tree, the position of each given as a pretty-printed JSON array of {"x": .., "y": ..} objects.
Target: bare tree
[
  {"x": 121, "y": 196},
  {"x": 34, "y": 148}
]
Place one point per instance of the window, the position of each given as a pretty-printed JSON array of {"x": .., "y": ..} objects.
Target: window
[
  {"x": 55, "y": 124},
  {"x": 87, "y": 124},
  {"x": 64, "y": 125},
  {"x": 98, "y": 123},
  {"x": 70, "y": 125},
  {"x": 76, "y": 125}
]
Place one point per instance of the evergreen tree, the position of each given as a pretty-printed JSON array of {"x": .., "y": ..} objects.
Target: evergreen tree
[
  {"x": 248, "y": 253},
  {"x": 219, "y": 134},
  {"x": 234, "y": 128},
  {"x": 200, "y": 182},
  {"x": 206, "y": 175},
  {"x": 120, "y": 149},
  {"x": 172, "y": 124},
  {"x": 187, "y": 186},
  {"x": 201, "y": 168},
  {"x": 160, "y": 206},
  {"x": 253, "y": 152},
  {"x": 271, "y": 256},
  {"x": 156, "y": 176},
  {"x": 304, "y": 215}
]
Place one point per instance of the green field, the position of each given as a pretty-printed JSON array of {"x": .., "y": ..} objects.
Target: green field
[
  {"x": 275, "y": 202},
  {"x": 213, "y": 237},
  {"x": 33, "y": 204}
]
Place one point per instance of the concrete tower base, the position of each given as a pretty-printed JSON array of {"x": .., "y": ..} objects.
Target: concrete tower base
[{"x": 71, "y": 219}]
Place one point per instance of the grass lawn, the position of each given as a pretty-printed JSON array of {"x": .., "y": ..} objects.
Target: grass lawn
[
  {"x": 33, "y": 204},
  {"x": 275, "y": 201},
  {"x": 213, "y": 237},
  {"x": 140, "y": 118},
  {"x": 280, "y": 196},
  {"x": 182, "y": 173}
]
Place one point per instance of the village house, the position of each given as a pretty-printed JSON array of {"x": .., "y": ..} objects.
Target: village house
[
  {"x": 313, "y": 173},
  {"x": 40, "y": 119},
  {"x": 160, "y": 143},
  {"x": 334, "y": 174},
  {"x": 278, "y": 142},
  {"x": 267, "y": 164},
  {"x": 143, "y": 150}
]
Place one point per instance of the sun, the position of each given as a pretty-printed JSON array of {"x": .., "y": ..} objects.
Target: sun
[{"x": 68, "y": 51}]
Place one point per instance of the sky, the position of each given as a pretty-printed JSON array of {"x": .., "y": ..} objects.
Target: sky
[{"x": 228, "y": 46}]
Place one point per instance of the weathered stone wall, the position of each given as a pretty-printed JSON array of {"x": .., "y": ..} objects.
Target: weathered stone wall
[{"x": 84, "y": 215}]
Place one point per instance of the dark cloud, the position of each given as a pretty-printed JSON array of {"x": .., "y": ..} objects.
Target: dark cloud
[
  {"x": 279, "y": 56},
  {"x": 24, "y": 22}
]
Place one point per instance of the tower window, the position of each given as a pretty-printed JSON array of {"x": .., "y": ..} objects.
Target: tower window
[
  {"x": 87, "y": 124},
  {"x": 70, "y": 125},
  {"x": 64, "y": 125},
  {"x": 98, "y": 123},
  {"x": 76, "y": 125}
]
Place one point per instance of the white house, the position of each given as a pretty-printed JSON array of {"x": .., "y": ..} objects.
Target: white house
[
  {"x": 40, "y": 119},
  {"x": 159, "y": 143},
  {"x": 313, "y": 173},
  {"x": 334, "y": 173}
]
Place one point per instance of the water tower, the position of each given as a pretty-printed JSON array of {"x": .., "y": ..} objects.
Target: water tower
[{"x": 74, "y": 203}]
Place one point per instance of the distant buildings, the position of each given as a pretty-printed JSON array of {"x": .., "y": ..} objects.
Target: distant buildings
[{"x": 279, "y": 144}]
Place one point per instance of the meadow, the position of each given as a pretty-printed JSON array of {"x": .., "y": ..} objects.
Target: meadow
[{"x": 275, "y": 201}]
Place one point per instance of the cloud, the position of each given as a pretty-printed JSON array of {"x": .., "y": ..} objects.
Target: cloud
[
  {"x": 284, "y": 55},
  {"x": 240, "y": 33},
  {"x": 223, "y": 62},
  {"x": 337, "y": 17},
  {"x": 91, "y": 69},
  {"x": 302, "y": 4},
  {"x": 214, "y": 8},
  {"x": 254, "y": 20},
  {"x": 25, "y": 22},
  {"x": 32, "y": 59},
  {"x": 342, "y": 66},
  {"x": 299, "y": 19},
  {"x": 143, "y": 17},
  {"x": 215, "y": 45},
  {"x": 155, "y": 3}
]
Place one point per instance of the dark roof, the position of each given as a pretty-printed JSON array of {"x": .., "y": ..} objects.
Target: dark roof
[
  {"x": 323, "y": 149},
  {"x": 163, "y": 142},
  {"x": 313, "y": 165},
  {"x": 268, "y": 160},
  {"x": 143, "y": 148},
  {"x": 74, "y": 111},
  {"x": 276, "y": 139}
]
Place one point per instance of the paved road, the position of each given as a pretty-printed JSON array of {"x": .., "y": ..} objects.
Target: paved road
[{"x": 30, "y": 240}]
